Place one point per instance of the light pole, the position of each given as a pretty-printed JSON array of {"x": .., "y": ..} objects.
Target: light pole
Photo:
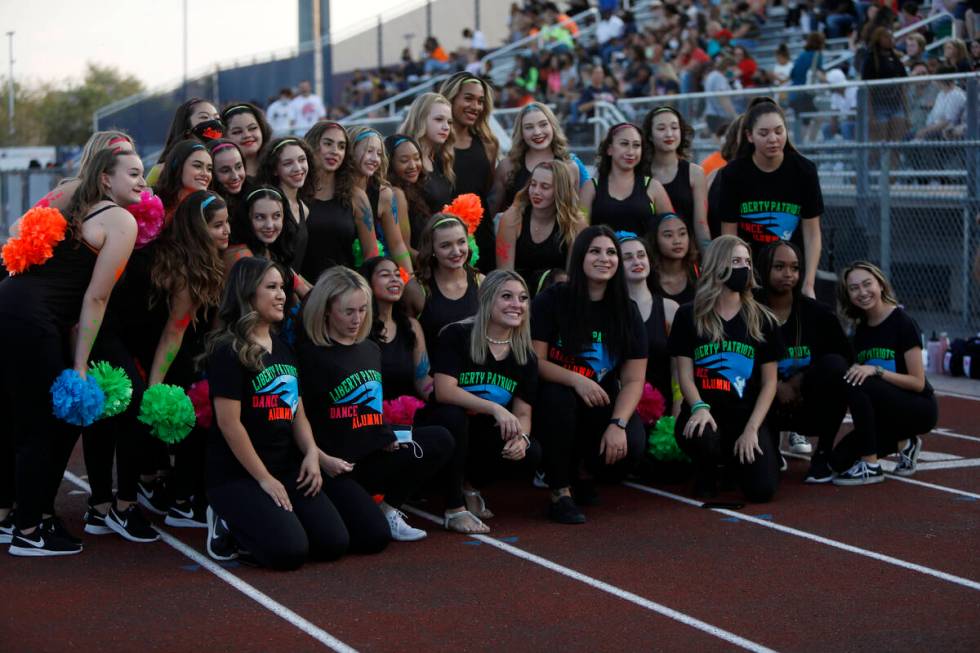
[
  {"x": 10, "y": 84},
  {"x": 184, "y": 76}
]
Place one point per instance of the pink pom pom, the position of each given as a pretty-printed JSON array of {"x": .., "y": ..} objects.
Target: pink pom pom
[
  {"x": 200, "y": 395},
  {"x": 651, "y": 406},
  {"x": 401, "y": 410},
  {"x": 149, "y": 216}
]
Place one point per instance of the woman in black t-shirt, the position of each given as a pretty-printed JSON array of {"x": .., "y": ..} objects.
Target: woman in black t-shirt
[
  {"x": 890, "y": 399},
  {"x": 771, "y": 192},
  {"x": 263, "y": 466},
  {"x": 485, "y": 381},
  {"x": 341, "y": 373},
  {"x": 809, "y": 396},
  {"x": 673, "y": 259},
  {"x": 592, "y": 349},
  {"x": 727, "y": 347}
]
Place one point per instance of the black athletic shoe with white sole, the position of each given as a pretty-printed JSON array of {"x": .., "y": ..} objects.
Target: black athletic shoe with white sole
[
  {"x": 95, "y": 523},
  {"x": 860, "y": 473},
  {"x": 7, "y": 528},
  {"x": 41, "y": 544},
  {"x": 186, "y": 515},
  {"x": 908, "y": 457},
  {"x": 131, "y": 524},
  {"x": 820, "y": 471},
  {"x": 220, "y": 544},
  {"x": 53, "y": 526},
  {"x": 152, "y": 496}
]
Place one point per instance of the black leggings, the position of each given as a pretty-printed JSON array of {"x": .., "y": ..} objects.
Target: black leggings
[
  {"x": 186, "y": 479},
  {"x": 823, "y": 406},
  {"x": 400, "y": 473},
  {"x": 121, "y": 436},
  {"x": 570, "y": 433},
  {"x": 276, "y": 538},
  {"x": 476, "y": 457},
  {"x": 366, "y": 524},
  {"x": 883, "y": 415},
  {"x": 43, "y": 444},
  {"x": 758, "y": 479}
]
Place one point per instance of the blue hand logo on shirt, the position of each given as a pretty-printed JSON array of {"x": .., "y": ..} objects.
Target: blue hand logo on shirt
[
  {"x": 599, "y": 359},
  {"x": 490, "y": 392},
  {"x": 286, "y": 387},
  {"x": 778, "y": 223},
  {"x": 791, "y": 365},
  {"x": 736, "y": 368},
  {"x": 367, "y": 394}
]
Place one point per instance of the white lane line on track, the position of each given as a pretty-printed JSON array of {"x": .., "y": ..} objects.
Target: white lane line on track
[
  {"x": 251, "y": 592},
  {"x": 958, "y": 395},
  {"x": 813, "y": 537},
  {"x": 953, "y": 434},
  {"x": 904, "y": 479},
  {"x": 625, "y": 595}
]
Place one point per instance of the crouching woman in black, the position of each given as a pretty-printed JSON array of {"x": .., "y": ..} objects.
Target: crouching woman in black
[
  {"x": 341, "y": 373},
  {"x": 592, "y": 354},
  {"x": 486, "y": 376},
  {"x": 263, "y": 466},
  {"x": 727, "y": 347}
]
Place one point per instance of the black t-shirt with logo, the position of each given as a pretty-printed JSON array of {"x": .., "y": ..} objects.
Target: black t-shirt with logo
[
  {"x": 725, "y": 372},
  {"x": 497, "y": 381},
  {"x": 342, "y": 395},
  {"x": 885, "y": 344},
  {"x": 269, "y": 399},
  {"x": 597, "y": 362},
  {"x": 812, "y": 331},
  {"x": 770, "y": 206}
]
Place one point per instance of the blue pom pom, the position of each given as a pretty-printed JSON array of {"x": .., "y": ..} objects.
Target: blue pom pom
[{"x": 76, "y": 400}]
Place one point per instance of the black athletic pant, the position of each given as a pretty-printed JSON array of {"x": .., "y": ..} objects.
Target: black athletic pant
[
  {"x": 279, "y": 539},
  {"x": 823, "y": 406},
  {"x": 570, "y": 434},
  {"x": 476, "y": 455},
  {"x": 8, "y": 456},
  {"x": 400, "y": 473},
  {"x": 43, "y": 443},
  {"x": 121, "y": 436},
  {"x": 883, "y": 416},
  {"x": 186, "y": 479},
  {"x": 758, "y": 479},
  {"x": 366, "y": 524}
]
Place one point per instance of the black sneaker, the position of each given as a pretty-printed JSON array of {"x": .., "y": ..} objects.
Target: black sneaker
[
  {"x": 131, "y": 524},
  {"x": 186, "y": 515},
  {"x": 53, "y": 526},
  {"x": 584, "y": 493},
  {"x": 221, "y": 544},
  {"x": 152, "y": 496},
  {"x": 41, "y": 544},
  {"x": 95, "y": 523},
  {"x": 860, "y": 473},
  {"x": 908, "y": 456},
  {"x": 7, "y": 528},
  {"x": 564, "y": 511},
  {"x": 820, "y": 471}
]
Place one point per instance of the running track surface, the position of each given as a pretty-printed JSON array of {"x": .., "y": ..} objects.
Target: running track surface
[{"x": 886, "y": 567}]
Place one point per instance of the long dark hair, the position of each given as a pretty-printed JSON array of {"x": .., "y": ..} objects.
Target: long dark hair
[
  {"x": 687, "y": 132},
  {"x": 180, "y": 126},
  {"x": 343, "y": 181},
  {"x": 767, "y": 258},
  {"x": 418, "y": 209},
  {"x": 234, "y": 202},
  {"x": 170, "y": 183},
  {"x": 614, "y": 307},
  {"x": 759, "y": 107},
  {"x": 269, "y": 161},
  {"x": 235, "y": 108},
  {"x": 604, "y": 161},
  {"x": 283, "y": 248},
  {"x": 398, "y": 311}
]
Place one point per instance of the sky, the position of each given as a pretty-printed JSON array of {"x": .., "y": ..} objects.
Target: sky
[{"x": 54, "y": 39}]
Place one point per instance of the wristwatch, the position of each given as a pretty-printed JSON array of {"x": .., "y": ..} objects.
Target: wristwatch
[
  {"x": 879, "y": 370},
  {"x": 618, "y": 421}
]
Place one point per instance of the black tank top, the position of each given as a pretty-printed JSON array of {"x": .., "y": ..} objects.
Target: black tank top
[
  {"x": 50, "y": 295},
  {"x": 631, "y": 214},
  {"x": 331, "y": 236},
  {"x": 681, "y": 195},
  {"x": 658, "y": 358},
  {"x": 397, "y": 366},
  {"x": 301, "y": 242},
  {"x": 440, "y": 311},
  {"x": 521, "y": 177},
  {"x": 685, "y": 296},
  {"x": 531, "y": 259},
  {"x": 437, "y": 188},
  {"x": 472, "y": 169}
]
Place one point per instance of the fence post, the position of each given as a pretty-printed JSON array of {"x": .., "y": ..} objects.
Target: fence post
[
  {"x": 862, "y": 180},
  {"x": 884, "y": 214},
  {"x": 380, "y": 43},
  {"x": 973, "y": 133}
]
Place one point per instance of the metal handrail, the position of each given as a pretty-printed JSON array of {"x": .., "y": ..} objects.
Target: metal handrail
[{"x": 914, "y": 27}]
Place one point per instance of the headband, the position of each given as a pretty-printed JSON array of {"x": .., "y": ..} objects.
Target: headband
[
  {"x": 263, "y": 190},
  {"x": 364, "y": 134},
  {"x": 221, "y": 146},
  {"x": 399, "y": 141},
  {"x": 447, "y": 219},
  {"x": 623, "y": 236},
  {"x": 544, "y": 277},
  {"x": 285, "y": 141},
  {"x": 622, "y": 125},
  {"x": 662, "y": 109},
  {"x": 208, "y": 200},
  {"x": 238, "y": 108},
  {"x": 194, "y": 147},
  {"x": 658, "y": 219},
  {"x": 117, "y": 139}
]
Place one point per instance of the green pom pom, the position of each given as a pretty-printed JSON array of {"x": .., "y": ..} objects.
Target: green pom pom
[
  {"x": 168, "y": 411},
  {"x": 116, "y": 386},
  {"x": 359, "y": 253},
  {"x": 474, "y": 250},
  {"x": 662, "y": 444}
]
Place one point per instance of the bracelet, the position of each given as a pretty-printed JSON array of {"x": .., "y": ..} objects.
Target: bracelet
[
  {"x": 527, "y": 438},
  {"x": 698, "y": 405},
  {"x": 402, "y": 256}
]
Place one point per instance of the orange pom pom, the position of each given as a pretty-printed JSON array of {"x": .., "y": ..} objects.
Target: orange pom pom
[
  {"x": 468, "y": 208},
  {"x": 40, "y": 230}
]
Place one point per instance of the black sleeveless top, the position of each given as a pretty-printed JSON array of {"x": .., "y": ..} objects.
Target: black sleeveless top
[
  {"x": 472, "y": 168},
  {"x": 631, "y": 214},
  {"x": 397, "y": 366},
  {"x": 50, "y": 295},
  {"x": 521, "y": 177},
  {"x": 438, "y": 190},
  {"x": 681, "y": 195},
  {"x": 331, "y": 236},
  {"x": 658, "y": 357},
  {"x": 302, "y": 238},
  {"x": 440, "y": 311},
  {"x": 531, "y": 259}
]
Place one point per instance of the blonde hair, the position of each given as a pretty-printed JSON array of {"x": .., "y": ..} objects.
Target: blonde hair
[
  {"x": 567, "y": 216},
  {"x": 100, "y": 141},
  {"x": 844, "y": 302},
  {"x": 453, "y": 86},
  {"x": 357, "y": 136},
  {"x": 518, "y": 148},
  {"x": 414, "y": 125},
  {"x": 715, "y": 270},
  {"x": 520, "y": 342},
  {"x": 331, "y": 286}
]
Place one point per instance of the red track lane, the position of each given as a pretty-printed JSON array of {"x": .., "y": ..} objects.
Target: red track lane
[
  {"x": 966, "y": 479},
  {"x": 961, "y": 415}
]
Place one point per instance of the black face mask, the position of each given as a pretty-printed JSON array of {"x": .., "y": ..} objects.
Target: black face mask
[
  {"x": 209, "y": 130},
  {"x": 739, "y": 279}
]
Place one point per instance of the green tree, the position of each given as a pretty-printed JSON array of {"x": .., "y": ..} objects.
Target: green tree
[{"x": 27, "y": 128}]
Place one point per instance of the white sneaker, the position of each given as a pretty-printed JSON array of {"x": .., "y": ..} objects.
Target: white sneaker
[
  {"x": 401, "y": 531},
  {"x": 798, "y": 443}
]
